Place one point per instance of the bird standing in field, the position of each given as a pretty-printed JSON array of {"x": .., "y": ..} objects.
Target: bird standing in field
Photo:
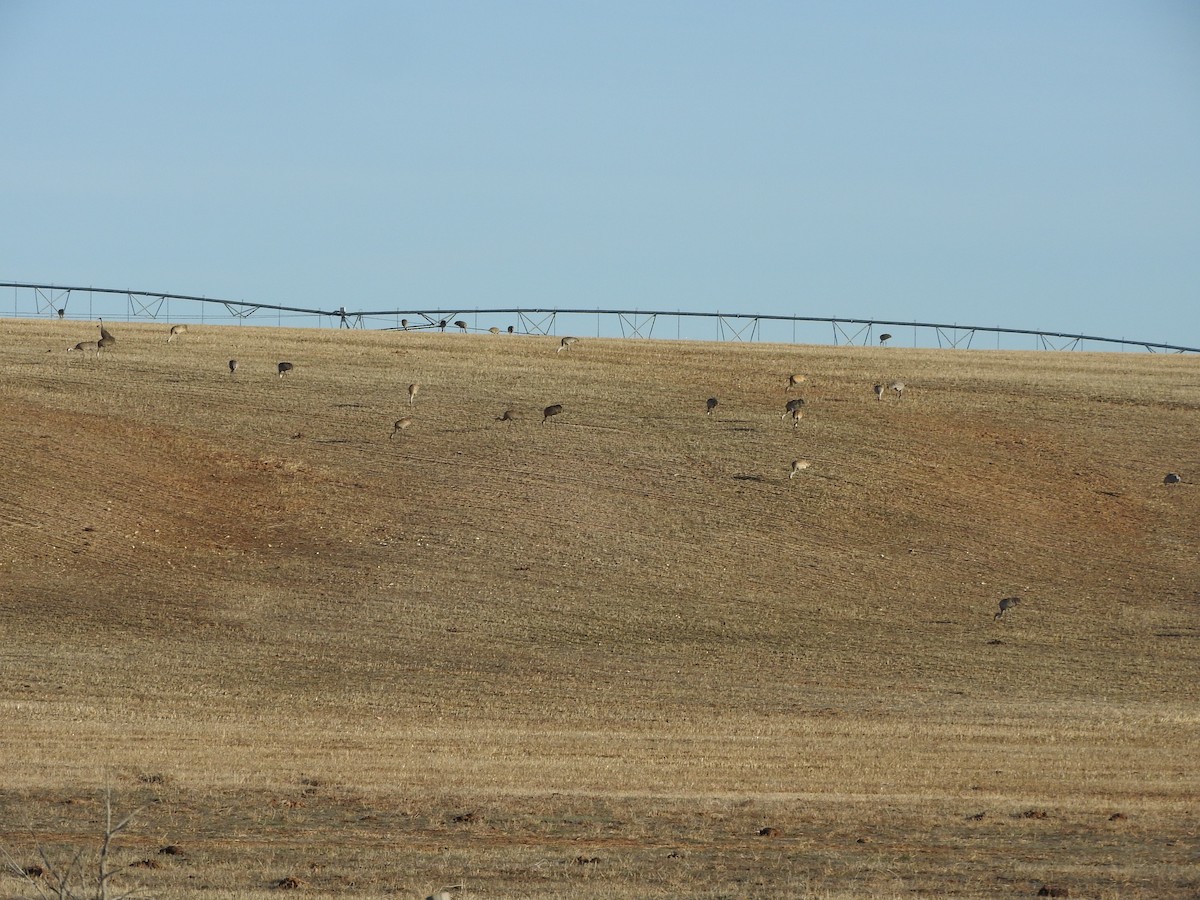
[{"x": 1005, "y": 605}]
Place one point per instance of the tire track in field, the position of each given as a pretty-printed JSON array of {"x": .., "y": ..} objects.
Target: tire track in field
[{"x": 13, "y": 513}]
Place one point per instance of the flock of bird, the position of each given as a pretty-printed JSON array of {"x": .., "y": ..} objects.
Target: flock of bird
[
  {"x": 794, "y": 407},
  {"x": 441, "y": 324},
  {"x": 107, "y": 341}
]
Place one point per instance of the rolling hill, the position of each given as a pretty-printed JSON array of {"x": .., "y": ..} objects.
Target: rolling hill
[{"x": 620, "y": 653}]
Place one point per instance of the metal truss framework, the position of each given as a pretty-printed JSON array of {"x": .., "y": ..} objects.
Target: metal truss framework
[{"x": 54, "y": 300}]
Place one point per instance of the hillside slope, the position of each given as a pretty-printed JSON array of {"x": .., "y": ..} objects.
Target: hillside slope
[{"x": 201, "y": 567}]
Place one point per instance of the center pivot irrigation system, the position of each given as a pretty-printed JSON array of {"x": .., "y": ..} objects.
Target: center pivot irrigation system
[{"x": 52, "y": 301}]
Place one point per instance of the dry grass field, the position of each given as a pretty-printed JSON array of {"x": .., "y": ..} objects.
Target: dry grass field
[{"x": 621, "y": 654}]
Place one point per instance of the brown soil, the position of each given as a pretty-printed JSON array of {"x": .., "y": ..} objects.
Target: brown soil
[{"x": 593, "y": 657}]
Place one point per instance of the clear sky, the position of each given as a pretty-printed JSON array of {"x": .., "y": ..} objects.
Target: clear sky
[{"x": 1019, "y": 163}]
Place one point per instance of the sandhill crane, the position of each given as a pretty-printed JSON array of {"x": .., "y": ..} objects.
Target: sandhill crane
[
  {"x": 105, "y": 342},
  {"x": 898, "y": 387},
  {"x": 104, "y": 334},
  {"x": 233, "y": 364},
  {"x": 441, "y": 325},
  {"x": 795, "y": 381},
  {"x": 412, "y": 392},
  {"x": 283, "y": 368},
  {"x": 400, "y": 425},
  {"x": 793, "y": 406},
  {"x": 461, "y": 326},
  {"x": 566, "y": 344},
  {"x": 884, "y": 338},
  {"x": 507, "y": 416},
  {"x": 84, "y": 347},
  {"x": 493, "y": 330},
  {"x": 404, "y": 324},
  {"x": 1005, "y": 605},
  {"x": 711, "y": 404},
  {"x": 798, "y": 466},
  {"x": 879, "y": 392},
  {"x": 175, "y": 331},
  {"x": 797, "y": 415},
  {"x": 551, "y": 411}
]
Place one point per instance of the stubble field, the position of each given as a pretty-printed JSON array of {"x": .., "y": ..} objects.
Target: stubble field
[{"x": 621, "y": 654}]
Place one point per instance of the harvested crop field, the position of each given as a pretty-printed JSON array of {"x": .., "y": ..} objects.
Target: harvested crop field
[{"x": 618, "y": 654}]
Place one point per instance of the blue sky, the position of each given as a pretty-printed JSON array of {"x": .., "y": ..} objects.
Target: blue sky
[{"x": 1022, "y": 164}]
